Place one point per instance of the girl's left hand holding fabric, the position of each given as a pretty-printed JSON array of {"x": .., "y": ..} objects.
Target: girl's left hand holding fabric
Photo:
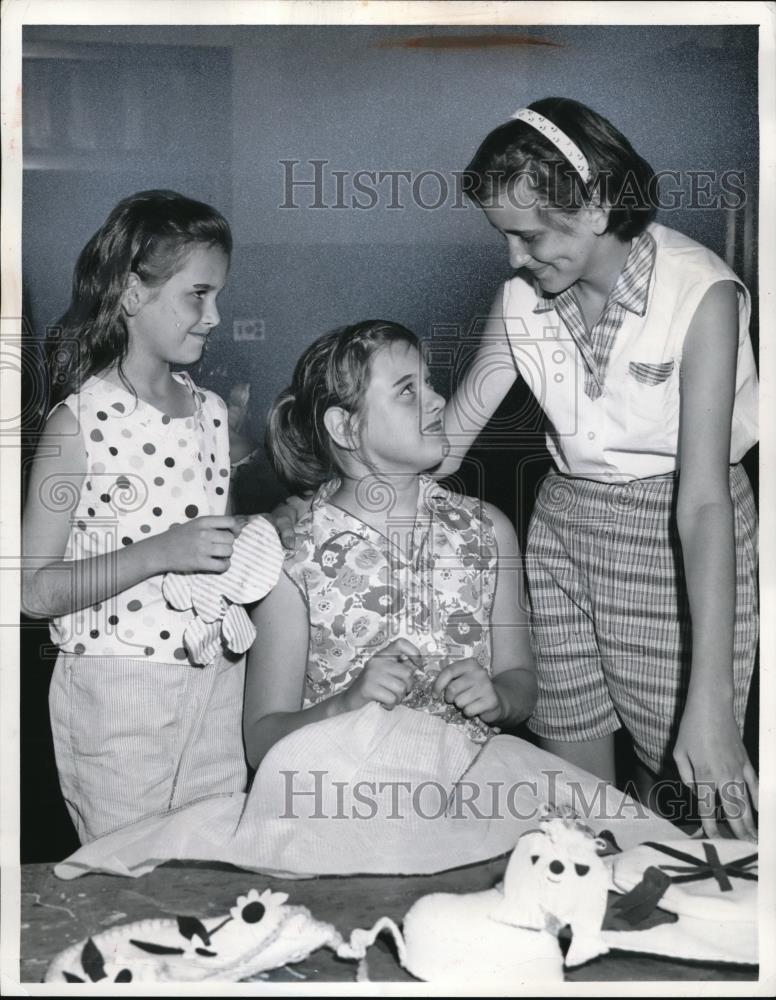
[
  {"x": 386, "y": 677},
  {"x": 711, "y": 759},
  {"x": 467, "y": 685}
]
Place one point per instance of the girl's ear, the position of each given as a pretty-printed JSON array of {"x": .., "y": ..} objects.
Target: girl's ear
[
  {"x": 599, "y": 217},
  {"x": 134, "y": 295},
  {"x": 339, "y": 426}
]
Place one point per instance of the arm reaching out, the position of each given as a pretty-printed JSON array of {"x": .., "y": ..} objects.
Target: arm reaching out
[{"x": 488, "y": 379}]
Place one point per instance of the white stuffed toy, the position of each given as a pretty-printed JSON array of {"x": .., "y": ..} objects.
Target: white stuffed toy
[
  {"x": 556, "y": 878},
  {"x": 507, "y": 936}
]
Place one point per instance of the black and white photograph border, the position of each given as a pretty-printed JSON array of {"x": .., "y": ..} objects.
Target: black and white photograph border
[{"x": 346, "y": 200}]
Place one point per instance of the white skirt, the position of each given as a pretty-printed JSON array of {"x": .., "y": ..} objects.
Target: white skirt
[{"x": 377, "y": 792}]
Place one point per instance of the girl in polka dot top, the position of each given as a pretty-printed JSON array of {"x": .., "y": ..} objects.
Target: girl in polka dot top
[{"x": 131, "y": 481}]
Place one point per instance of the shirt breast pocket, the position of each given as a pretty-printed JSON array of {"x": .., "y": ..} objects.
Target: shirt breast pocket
[
  {"x": 651, "y": 374},
  {"x": 653, "y": 398}
]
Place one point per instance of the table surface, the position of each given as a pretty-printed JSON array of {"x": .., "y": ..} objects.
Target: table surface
[{"x": 56, "y": 914}]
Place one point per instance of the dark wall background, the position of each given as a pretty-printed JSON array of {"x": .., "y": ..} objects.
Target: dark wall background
[{"x": 213, "y": 111}]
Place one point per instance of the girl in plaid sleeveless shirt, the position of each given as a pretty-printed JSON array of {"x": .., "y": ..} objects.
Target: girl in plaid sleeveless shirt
[{"x": 641, "y": 559}]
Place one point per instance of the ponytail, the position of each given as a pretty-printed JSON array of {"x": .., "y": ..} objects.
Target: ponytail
[
  {"x": 333, "y": 371},
  {"x": 289, "y": 441}
]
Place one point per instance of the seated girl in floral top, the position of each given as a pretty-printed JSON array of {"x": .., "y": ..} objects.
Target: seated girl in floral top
[
  {"x": 398, "y": 589},
  {"x": 391, "y": 652}
]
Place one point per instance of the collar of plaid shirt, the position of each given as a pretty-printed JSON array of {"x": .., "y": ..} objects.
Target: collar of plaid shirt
[{"x": 630, "y": 294}]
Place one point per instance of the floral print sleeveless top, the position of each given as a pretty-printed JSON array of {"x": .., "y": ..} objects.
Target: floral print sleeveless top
[{"x": 363, "y": 592}]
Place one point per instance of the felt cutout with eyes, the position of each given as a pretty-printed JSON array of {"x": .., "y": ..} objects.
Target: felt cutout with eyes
[
  {"x": 507, "y": 936},
  {"x": 218, "y": 598},
  {"x": 259, "y": 933},
  {"x": 556, "y": 878}
]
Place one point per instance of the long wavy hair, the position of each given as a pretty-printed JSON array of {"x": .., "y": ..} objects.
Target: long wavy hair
[{"x": 148, "y": 234}]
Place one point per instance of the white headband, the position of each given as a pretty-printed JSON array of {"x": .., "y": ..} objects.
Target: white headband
[{"x": 559, "y": 139}]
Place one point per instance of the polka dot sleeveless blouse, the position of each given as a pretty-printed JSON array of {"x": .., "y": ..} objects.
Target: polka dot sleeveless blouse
[{"x": 146, "y": 471}]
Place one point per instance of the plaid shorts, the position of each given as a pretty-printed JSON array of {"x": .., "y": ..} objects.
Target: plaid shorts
[{"x": 610, "y": 618}]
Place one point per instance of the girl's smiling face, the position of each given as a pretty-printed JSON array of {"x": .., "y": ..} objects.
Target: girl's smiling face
[
  {"x": 399, "y": 426},
  {"x": 173, "y": 320},
  {"x": 557, "y": 252}
]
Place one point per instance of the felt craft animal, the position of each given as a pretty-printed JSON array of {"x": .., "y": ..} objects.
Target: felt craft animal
[
  {"x": 506, "y": 936},
  {"x": 259, "y": 933},
  {"x": 555, "y": 878}
]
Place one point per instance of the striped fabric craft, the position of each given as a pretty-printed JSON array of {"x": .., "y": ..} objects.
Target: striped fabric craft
[
  {"x": 257, "y": 559},
  {"x": 177, "y": 591},
  {"x": 217, "y": 598},
  {"x": 202, "y": 641},
  {"x": 207, "y": 599},
  {"x": 237, "y": 629}
]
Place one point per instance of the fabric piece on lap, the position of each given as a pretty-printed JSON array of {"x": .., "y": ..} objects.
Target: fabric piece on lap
[{"x": 407, "y": 765}]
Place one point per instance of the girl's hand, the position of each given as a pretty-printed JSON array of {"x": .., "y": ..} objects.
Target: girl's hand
[
  {"x": 386, "y": 678},
  {"x": 468, "y": 685},
  {"x": 202, "y": 545},
  {"x": 285, "y": 516},
  {"x": 711, "y": 760}
]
